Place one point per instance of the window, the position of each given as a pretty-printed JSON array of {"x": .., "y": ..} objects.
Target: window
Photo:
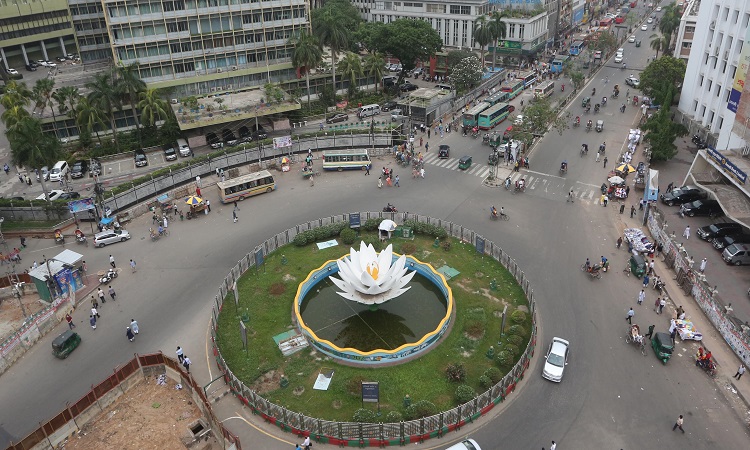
[
  {"x": 721, "y": 122},
  {"x": 434, "y": 8},
  {"x": 521, "y": 28},
  {"x": 462, "y": 10},
  {"x": 710, "y": 84},
  {"x": 695, "y": 105},
  {"x": 700, "y": 83},
  {"x": 512, "y": 30}
]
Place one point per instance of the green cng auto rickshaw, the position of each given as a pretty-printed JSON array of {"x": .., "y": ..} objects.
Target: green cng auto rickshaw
[
  {"x": 64, "y": 344},
  {"x": 637, "y": 265},
  {"x": 638, "y": 43},
  {"x": 662, "y": 345},
  {"x": 464, "y": 163},
  {"x": 586, "y": 101}
]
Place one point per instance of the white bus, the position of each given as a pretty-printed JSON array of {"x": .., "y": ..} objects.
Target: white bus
[
  {"x": 245, "y": 186},
  {"x": 544, "y": 90},
  {"x": 346, "y": 159}
]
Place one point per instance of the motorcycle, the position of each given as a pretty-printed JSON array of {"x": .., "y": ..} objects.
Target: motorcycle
[
  {"x": 622, "y": 108},
  {"x": 81, "y": 239},
  {"x": 604, "y": 101},
  {"x": 658, "y": 285},
  {"x": 708, "y": 366},
  {"x": 588, "y": 126},
  {"x": 59, "y": 238},
  {"x": 390, "y": 208},
  {"x": 593, "y": 92},
  {"x": 108, "y": 276},
  {"x": 576, "y": 123},
  {"x": 562, "y": 88},
  {"x": 596, "y": 108},
  {"x": 564, "y": 167}
]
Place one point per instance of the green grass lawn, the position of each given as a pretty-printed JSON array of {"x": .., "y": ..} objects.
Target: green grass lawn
[{"x": 267, "y": 295}]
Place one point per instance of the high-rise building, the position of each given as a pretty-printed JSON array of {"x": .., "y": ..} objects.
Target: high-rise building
[{"x": 686, "y": 32}]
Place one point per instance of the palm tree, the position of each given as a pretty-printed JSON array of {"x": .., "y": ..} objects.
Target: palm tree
[
  {"x": 15, "y": 94},
  {"x": 658, "y": 42},
  {"x": 13, "y": 115},
  {"x": 374, "y": 66},
  {"x": 42, "y": 95},
  {"x": 89, "y": 117},
  {"x": 497, "y": 25},
  {"x": 67, "y": 98},
  {"x": 32, "y": 148},
  {"x": 482, "y": 34},
  {"x": 105, "y": 98},
  {"x": 153, "y": 107},
  {"x": 307, "y": 53},
  {"x": 129, "y": 86},
  {"x": 333, "y": 33},
  {"x": 351, "y": 68}
]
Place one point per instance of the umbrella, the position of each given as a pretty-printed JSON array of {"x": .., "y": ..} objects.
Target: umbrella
[
  {"x": 285, "y": 160},
  {"x": 193, "y": 200},
  {"x": 616, "y": 180},
  {"x": 625, "y": 168},
  {"x": 387, "y": 225}
]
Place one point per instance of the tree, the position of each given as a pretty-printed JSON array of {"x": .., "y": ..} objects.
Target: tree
[
  {"x": 372, "y": 36},
  {"x": 350, "y": 67},
  {"x": 89, "y": 118},
  {"x": 658, "y": 43},
  {"x": 129, "y": 86},
  {"x": 31, "y": 147},
  {"x": 67, "y": 98},
  {"x": 661, "y": 131},
  {"x": 306, "y": 54},
  {"x": 537, "y": 119},
  {"x": 374, "y": 66},
  {"x": 42, "y": 95},
  {"x": 456, "y": 56},
  {"x": 411, "y": 40},
  {"x": 577, "y": 78},
  {"x": 466, "y": 73},
  {"x": 153, "y": 107},
  {"x": 497, "y": 25},
  {"x": 606, "y": 42},
  {"x": 105, "y": 98},
  {"x": 15, "y": 94},
  {"x": 13, "y": 115},
  {"x": 334, "y": 34},
  {"x": 483, "y": 33},
  {"x": 661, "y": 75}
]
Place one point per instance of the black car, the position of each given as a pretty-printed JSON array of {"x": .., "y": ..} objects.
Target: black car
[
  {"x": 33, "y": 64},
  {"x": 701, "y": 208},
  {"x": 717, "y": 230},
  {"x": 720, "y": 243},
  {"x": 259, "y": 133},
  {"x": 444, "y": 151},
  {"x": 387, "y": 106},
  {"x": 169, "y": 153},
  {"x": 79, "y": 168},
  {"x": 406, "y": 87},
  {"x": 682, "y": 195},
  {"x": 140, "y": 158},
  {"x": 31, "y": 68},
  {"x": 69, "y": 196},
  {"x": 60, "y": 59},
  {"x": 340, "y": 117},
  {"x": 244, "y": 131}
]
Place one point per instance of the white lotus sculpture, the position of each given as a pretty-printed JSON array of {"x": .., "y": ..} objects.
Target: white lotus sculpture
[{"x": 370, "y": 278}]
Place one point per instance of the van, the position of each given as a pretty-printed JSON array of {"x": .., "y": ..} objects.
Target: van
[
  {"x": 59, "y": 171},
  {"x": 720, "y": 243},
  {"x": 368, "y": 110},
  {"x": 388, "y": 80},
  {"x": 183, "y": 147},
  {"x": 737, "y": 254}
]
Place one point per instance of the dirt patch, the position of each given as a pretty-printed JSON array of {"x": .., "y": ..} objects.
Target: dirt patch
[
  {"x": 267, "y": 382},
  {"x": 277, "y": 289},
  {"x": 148, "y": 416},
  {"x": 11, "y": 316}
]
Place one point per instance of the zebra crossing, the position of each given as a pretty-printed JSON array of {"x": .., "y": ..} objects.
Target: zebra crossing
[{"x": 545, "y": 185}]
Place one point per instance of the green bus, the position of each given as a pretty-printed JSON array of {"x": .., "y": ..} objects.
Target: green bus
[
  {"x": 493, "y": 116},
  {"x": 512, "y": 88},
  {"x": 471, "y": 116},
  {"x": 498, "y": 97}
]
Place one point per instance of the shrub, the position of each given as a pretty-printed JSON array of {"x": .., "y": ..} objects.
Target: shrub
[
  {"x": 494, "y": 374},
  {"x": 393, "y": 416},
  {"x": 464, "y": 394},
  {"x": 364, "y": 416},
  {"x": 485, "y": 381},
  {"x": 441, "y": 233},
  {"x": 504, "y": 358},
  {"x": 422, "y": 408},
  {"x": 348, "y": 236},
  {"x": 321, "y": 233},
  {"x": 455, "y": 372},
  {"x": 512, "y": 349},
  {"x": 518, "y": 316},
  {"x": 371, "y": 224},
  {"x": 518, "y": 330},
  {"x": 514, "y": 339},
  {"x": 408, "y": 248},
  {"x": 310, "y": 236},
  {"x": 300, "y": 240},
  {"x": 446, "y": 245}
]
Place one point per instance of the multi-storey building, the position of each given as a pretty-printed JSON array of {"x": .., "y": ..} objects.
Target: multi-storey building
[
  {"x": 91, "y": 30},
  {"x": 686, "y": 32}
]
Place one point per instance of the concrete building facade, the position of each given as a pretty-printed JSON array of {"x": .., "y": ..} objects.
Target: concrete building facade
[{"x": 686, "y": 32}]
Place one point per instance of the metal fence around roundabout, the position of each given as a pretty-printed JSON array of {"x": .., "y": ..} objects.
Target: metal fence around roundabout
[{"x": 377, "y": 434}]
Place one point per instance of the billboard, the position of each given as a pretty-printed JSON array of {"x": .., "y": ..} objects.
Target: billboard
[
  {"x": 740, "y": 75},
  {"x": 84, "y": 204},
  {"x": 282, "y": 142}
]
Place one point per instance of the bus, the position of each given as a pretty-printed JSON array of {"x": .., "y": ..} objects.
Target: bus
[
  {"x": 576, "y": 48},
  {"x": 558, "y": 64},
  {"x": 498, "y": 97},
  {"x": 346, "y": 159},
  {"x": 470, "y": 117},
  {"x": 493, "y": 116},
  {"x": 513, "y": 88},
  {"x": 528, "y": 78},
  {"x": 604, "y": 23},
  {"x": 544, "y": 89},
  {"x": 246, "y": 186}
]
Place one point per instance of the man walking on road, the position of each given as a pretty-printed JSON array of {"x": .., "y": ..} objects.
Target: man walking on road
[
  {"x": 605, "y": 162},
  {"x": 703, "y": 265},
  {"x": 686, "y": 233},
  {"x": 662, "y": 304},
  {"x": 112, "y": 294},
  {"x": 629, "y": 318},
  {"x": 100, "y": 293},
  {"x": 737, "y": 375},
  {"x": 69, "y": 319},
  {"x": 180, "y": 354},
  {"x": 132, "y": 265},
  {"x": 632, "y": 211},
  {"x": 186, "y": 363},
  {"x": 112, "y": 261},
  {"x": 641, "y": 297},
  {"x": 650, "y": 333},
  {"x": 678, "y": 424}
]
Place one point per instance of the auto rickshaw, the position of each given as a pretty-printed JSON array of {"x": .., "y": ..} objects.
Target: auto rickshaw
[
  {"x": 662, "y": 345},
  {"x": 637, "y": 43},
  {"x": 497, "y": 139},
  {"x": 599, "y": 125},
  {"x": 637, "y": 265},
  {"x": 465, "y": 162},
  {"x": 586, "y": 101},
  {"x": 64, "y": 344}
]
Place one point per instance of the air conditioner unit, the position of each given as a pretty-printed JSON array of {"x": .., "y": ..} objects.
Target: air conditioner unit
[
  {"x": 174, "y": 101},
  {"x": 218, "y": 88},
  {"x": 219, "y": 70},
  {"x": 234, "y": 67},
  {"x": 228, "y": 87},
  {"x": 213, "y": 89}
]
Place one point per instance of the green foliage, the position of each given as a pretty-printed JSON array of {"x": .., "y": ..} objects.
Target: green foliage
[
  {"x": 372, "y": 35},
  {"x": 371, "y": 224},
  {"x": 494, "y": 374},
  {"x": 607, "y": 42},
  {"x": 485, "y": 382},
  {"x": 504, "y": 358},
  {"x": 426, "y": 229},
  {"x": 518, "y": 316},
  {"x": 537, "y": 119},
  {"x": 466, "y": 74},
  {"x": 411, "y": 40},
  {"x": 518, "y": 330},
  {"x": 514, "y": 339},
  {"x": 348, "y": 236},
  {"x": 662, "y": 132},
  {"x": 661, "y": 75},
  {"x": 422, "y": 408},
  {"x": 512, "y": 349},
  {"x": 577, "y": 78},
  {"x": 364, "y": 416},
  {"x": 446, "y": 245},
  {"x": 455, "y": 372},
  {"x": 465, "y": 394},
  {"x": 300, "y": 240},
  {"x": 393, "y": 417},
  {"x": 455, "y": 56},
  {"x": 407, "y": 248}
]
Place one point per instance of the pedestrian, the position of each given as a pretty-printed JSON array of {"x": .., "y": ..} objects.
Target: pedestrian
[
  {"x": 622, "y": 208},
  {"x": 656, "y": 304},
  {"x": 428, "y": 136},
  {"x": 234, "y": 216},
  {"x": 597, "y": 155},
  {"x": 673, "y": 332},
  {"x": 670, "y": 186},
  {"x": 737, "y": 375},
  {"x": 134, "y": 326},
  {"x": 553, "y": 446},
  {"x": 306, "y": 444},
  {"x": 570, "y": 196},
  {"x": 92, "y": 321},
  {"x": 23, "y": 242},
  {"x": 426, "y": 146},
  {"x": 380, "y": 182},
  {"x": 180, "y": 354},
  {"x": 619, "y": 242},
  {"x": 236, "y": 208},
  {"x": 605, "y": 162},
  {"x": 69, "y": 319},
  {"x": 650, "y": 333},
  {"x": 186, "y": 363},
  {"x": 651, "y": 267},
  {"x": 208, "y": 207},
  {"x": 95, "y": 312},
  {"x": 686, "y": 233},
  {"x": 632, "y": 211},
  {"x": 198, "y": 181},
  {"x": 641, "y": 204},
  {"x": 112, "y": 293},
  {"x": 132, "y": 265},
  {"x": 703, "y": 265},
  {"x": 641, "y": 296},
  {"x": 197, "y": 191},
  {"x": 312, "y": 181},
  {"x": 94, "y": 302},
  {"x": 174, "y": 208},
  {"x": 678, "y": 424},
  {"x": 154, "y": 218},
  {"x": 367, "y": 170},
  {"x": 129, "y": 334},
  {"x": 662, "y": 304},
  {"x": 100, "y": 293},
  {"x": 112, "y": 261},
  {"x": 629, "y": 318},
  {"x": 396, "y": 181},
  {"x": 165, "y": 222}
]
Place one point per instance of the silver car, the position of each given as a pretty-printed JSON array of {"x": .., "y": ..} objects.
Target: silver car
[
  {"x": 110, "y": 237},
  {"x": 556, "y": 359}
]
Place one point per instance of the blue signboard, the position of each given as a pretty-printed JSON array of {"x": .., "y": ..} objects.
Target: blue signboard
[
  {"x": 480, "y": 245},
  {"x": 578, "y": 16},
  {"x": 734, "y": 100},
  {"x": 354, "y": 220},
  {"x": 259, "y": 257},
  {"x": 727, "y": 165}
]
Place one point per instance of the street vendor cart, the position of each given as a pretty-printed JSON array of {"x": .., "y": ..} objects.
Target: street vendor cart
[
  {"x": 196, "y": 204},
  {"x": 308, "y": 171}
]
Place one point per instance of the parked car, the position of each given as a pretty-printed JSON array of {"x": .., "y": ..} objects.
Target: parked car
[
  {"x": 44, "y": 171},
  {"x": 701, "y": 208},
  {"x": 632, "y": 81},
  {"x": 169, "y": 153},
  {"x": 33, "y": 64},
  {"x": 79, "y": 168},
  {"x": 444, "y": 151},
  {"x": 259, "y": 133},
  {"x": 387, "y": 106},
  {"x": 12, "y": 71},
  {"x": 518, "y": 120},
  {"x": 140, "y": 158},
  {"x": 110, "y": 237},
  {"x": 681, "y": 195},
  {"x": 54, "y": 194},
  {"x": 717, "y": 230},
  {"x": 737, "y": 254},
  {"x": 556, "y": 359},
  {"x": 618, "y": 58},
  {"x": 406, "y": 87},
  {"x": 720, "y": 243},
  {"x": 69, "y": 196},
  {"x": 339, "y": 117},
  {"x": 397, "y": 114},
  {"x": 31, "y": 68},
  {"x": 466, "y": 444}
]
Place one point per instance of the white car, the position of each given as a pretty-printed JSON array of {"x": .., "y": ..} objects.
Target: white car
[
  {"x": 658, "y": 9},
  {"x": 53, "y": 195},
  {"x": 519, "y": 120},
  {"x": 650, "y": 20},
  {"x": 556, "y": 359},
  {"x": 618, "y": 58},
  {"x": 13, "y": 71},
  {"x": 632, "y": 81},
  {"x": 644, "y": 27},
  {"x": 631, "y": 39},
  {"x": 466, "y": 444},
  {"x": 110, "y": 237}
]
